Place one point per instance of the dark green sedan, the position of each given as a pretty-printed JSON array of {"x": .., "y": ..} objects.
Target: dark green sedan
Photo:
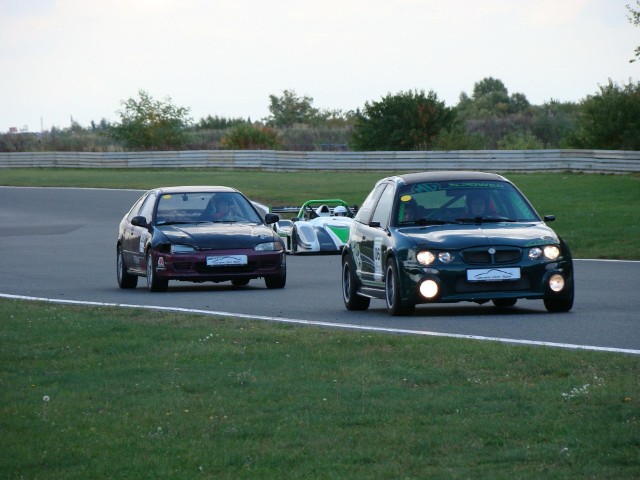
[{"x": 445, "y": 237}]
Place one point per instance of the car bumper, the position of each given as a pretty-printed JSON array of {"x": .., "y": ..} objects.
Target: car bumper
[
  {"x": 194, "y": 267},
  {"x": 534, "y": 283}
]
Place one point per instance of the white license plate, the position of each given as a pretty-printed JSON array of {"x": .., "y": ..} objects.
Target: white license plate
[
  {"x": 226, "y": 260},
  {"x": 493, "y": 274}
]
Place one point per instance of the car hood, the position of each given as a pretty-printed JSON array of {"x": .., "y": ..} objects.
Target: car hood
[
  {"x": 218, "y": 235},
  {"x": 472, "y": 235}
]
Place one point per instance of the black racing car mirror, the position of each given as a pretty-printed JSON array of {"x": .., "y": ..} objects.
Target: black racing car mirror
[{"x": 139, "y": 221}]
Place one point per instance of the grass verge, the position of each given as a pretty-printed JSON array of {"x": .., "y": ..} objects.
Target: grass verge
[{"x": 98, "y": 393}]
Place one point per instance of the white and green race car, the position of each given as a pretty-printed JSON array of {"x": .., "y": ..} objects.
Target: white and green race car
[{"x": 320, "y": 226}]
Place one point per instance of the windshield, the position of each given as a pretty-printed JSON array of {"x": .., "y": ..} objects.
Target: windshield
[
  {"x": 178, "y": 208},
  {"x": 461, "y": 201}
]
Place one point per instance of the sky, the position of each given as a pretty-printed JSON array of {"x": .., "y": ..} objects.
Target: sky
[{"x": 79, "y": 60}]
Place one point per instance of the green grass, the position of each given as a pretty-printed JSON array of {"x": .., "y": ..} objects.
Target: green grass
[
  {"x": 143, "y": 394},
  {"x": 598, "y": 215}
]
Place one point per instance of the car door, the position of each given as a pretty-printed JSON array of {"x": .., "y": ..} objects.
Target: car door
[
  {"x": 136, "y": 237},
  {"x": 374, "y": 238}
]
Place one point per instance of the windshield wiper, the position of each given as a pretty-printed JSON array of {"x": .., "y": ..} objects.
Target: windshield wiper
[
  {"x": 160, "y": 224},
  {"x": 484, "y": 220},
  {"x": 425, "y": 221}
]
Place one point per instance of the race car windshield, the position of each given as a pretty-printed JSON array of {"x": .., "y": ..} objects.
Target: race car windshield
[{"x": 433, "y": 203}]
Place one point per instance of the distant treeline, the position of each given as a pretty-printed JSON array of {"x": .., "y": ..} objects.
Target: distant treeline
[{"x": 488, "y": 119}]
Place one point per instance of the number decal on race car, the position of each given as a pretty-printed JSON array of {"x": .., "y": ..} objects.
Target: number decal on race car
[{"x": 377, "y": 258}]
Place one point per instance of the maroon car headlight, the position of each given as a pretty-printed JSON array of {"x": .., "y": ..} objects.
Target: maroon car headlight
[{"x": 268, "y": 247}]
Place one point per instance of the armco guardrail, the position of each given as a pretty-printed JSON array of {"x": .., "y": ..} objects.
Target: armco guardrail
[{"x": 270, "y": 160}]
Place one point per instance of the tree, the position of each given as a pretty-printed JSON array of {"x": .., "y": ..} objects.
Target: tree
[
  {"x": 218, "y": 123},
  {"x": 404, "y": 121},
  {"x": 634, "y": 17},
  {"x": 610, "y": 120},
  {"x": 245, "y": 136},
  {"x": 290, "y": 109},
  {"x": 150, "y": 124},
  {"x": 491, "y": 98}
]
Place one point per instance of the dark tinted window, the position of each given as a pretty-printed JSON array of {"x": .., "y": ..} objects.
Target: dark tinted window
[
  {"x": 364, "y": 214},
  {"x": 382, "y": 213}
]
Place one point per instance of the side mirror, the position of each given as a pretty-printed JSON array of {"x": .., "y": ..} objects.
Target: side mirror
[
  {"x": 295, "y": 219},
  {"x": 549, "y": 218},
  {"x": 270, "y": 218},
  {"x": 139, "y": 221}
]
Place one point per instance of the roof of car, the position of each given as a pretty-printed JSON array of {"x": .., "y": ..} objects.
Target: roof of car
[
  {"x": 194, "y": 189},
  {"x": 437, "y": 176}
]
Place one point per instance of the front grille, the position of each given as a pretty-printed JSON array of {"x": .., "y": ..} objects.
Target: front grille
[
  {"x": 484, "y": 257},
  {"x": 224, "y": 269}
]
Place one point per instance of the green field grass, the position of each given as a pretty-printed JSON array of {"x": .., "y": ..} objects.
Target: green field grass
[
  {"x": 112, "y": 393},
  {"x": 106, "y": 393},
  {"x": 598, "y": 215}
]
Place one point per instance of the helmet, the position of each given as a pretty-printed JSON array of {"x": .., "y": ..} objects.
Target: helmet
[{"x": 340, "y": 211}]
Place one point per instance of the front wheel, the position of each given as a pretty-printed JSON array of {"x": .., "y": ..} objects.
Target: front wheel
[
  {"x": 125, "y": 279},
  {"x": 154, "y": 284},
  {"x": 352, "y": 301},
  {"x": 294, "y": 241},
  {"x": 276, "y": 281},
  {"x": 395, "y": 305},
  {"x": 561, "y": 304}
]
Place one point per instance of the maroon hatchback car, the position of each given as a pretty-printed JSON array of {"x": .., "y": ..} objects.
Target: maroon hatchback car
[{"x": 198, "y": 234}]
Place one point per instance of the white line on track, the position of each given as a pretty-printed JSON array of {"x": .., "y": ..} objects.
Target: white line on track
[{"x": 326, "y": 324}]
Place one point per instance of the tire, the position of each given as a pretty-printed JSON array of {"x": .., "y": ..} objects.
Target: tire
[
  {"x": 154, "y": 284},
  {"x": 240, "y": 282},
  {"x": 125, "y": 279},
  {"x": 395, "y": 305},
  {"x": 294, "y": 241},
  {"x": 504, "y": 302},
  {"x": 560, "y": 304},
  {"x": 276, "y": 281},
  {"x": 352, "y": 301}
]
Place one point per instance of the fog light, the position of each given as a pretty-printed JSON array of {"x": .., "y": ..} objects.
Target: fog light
[
  {"x": 556, "y": 282},
  {"x": 429, "y": 289}
]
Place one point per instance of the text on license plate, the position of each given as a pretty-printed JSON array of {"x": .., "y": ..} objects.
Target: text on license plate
[
  {"x": 218, "y": 260},
  {"x": 492, "y": 274}
]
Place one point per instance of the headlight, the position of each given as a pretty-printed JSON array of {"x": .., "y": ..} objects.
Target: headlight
[
  {"x": 445, "y": 257},
  {"x": 425, "y": 257},
  {"x": 551, "y": 252},
  {"x": 429, "y": 289},
  {"x": 535, "y": 253},
  {"x": 556, "y": 282},
  {"x": 267, "y": 247},
  {"x": 182, "y": 249}
]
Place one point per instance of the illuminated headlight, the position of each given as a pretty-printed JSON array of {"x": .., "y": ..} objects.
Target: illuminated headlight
[
  {"x": 551, "y": 252},
  {"x": 425, "y": 257},
  {"x": 267, "y": 247},
  {"x": 429, "y": 289},
  {"x": 556, "y": 282},
  {"x": 182, "y": 249},
  {"x": 445, "y": 257}
]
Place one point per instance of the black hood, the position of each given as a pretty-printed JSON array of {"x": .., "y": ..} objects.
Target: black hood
[
  {"x": 472, "y": 235},
  {"x": 219, "y": 236}
]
